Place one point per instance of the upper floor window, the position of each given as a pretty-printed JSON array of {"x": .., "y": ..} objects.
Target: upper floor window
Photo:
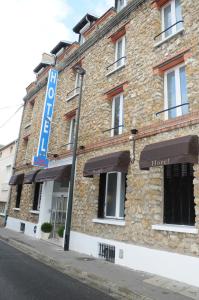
[
  {"x": 71, "y": 133},
  {"x": 120, "y": 52},
  {"x": 117, "y": 115},
  {"x": 171, "y": 18},
  {"x": 175, "y": 86},
  {"x": 120, "y": 4}
]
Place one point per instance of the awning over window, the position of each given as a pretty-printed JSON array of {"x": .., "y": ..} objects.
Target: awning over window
[
  {"x": 175, "y": 151},
  {"x": 57, "y": 174},
  {"x": 30, "y": 177},
  {"x": 113, "y": 162},
  {"x": 16, "y": 179}
]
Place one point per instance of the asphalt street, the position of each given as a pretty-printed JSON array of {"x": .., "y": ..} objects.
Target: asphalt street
[{"x": 23, "y": 278}]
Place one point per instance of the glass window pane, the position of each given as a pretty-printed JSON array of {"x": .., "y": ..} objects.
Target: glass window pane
[
  {"x": 111, "y": 194},
  {"x": 178, "y": 14},
  {"x": 122, "y": 195},
  {"x": 171, "y": 94},
  {"x": 119, "y": 52},
  {"x": 183, "y": 89},
  {"x": 72, "y": 137},
  {"x": 167, "y": 20},
  {"x": 117, "y": 116}
]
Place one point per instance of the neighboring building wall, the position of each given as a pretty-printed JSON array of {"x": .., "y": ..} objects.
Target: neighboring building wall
[{"x": 7, "y": 155}]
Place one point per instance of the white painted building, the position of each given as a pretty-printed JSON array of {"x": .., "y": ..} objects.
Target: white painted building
[{"x": 7, "y": 157}]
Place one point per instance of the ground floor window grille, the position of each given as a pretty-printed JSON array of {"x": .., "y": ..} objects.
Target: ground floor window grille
[
  {"x": 179, "y": 195},
  {"x": 107, "y": 252}
]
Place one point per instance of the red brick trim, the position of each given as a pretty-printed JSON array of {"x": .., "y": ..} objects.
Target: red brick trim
[
  {"x": 172, "y": 62},
  {"x": 26, "y": 137},
  {"x": 118, "y": 34},
  {"x": 69, "y": 115},
  {"x": 116, "y": 90},
  {"x": 103, "y": 18},
  {"x": 159, "y": 3}
]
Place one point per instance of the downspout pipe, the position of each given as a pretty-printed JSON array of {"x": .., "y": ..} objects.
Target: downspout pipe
[{"x": 81, "y": 72}]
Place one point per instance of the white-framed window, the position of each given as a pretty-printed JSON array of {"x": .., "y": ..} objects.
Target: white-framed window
[
  {"x": 120, "y": 46},
  {"x": 77, "y": 83},
  {"x": 114, "y": 195},
  {"x": 117, "y": 115},
  {"x": 120, "y": 4},
  {"x": 71, "y": 133},
  {"x": 171, "y": 14},
  {"x": 8, "y": 172},
  {"x": 175, "y": 91},
  {"x": 37, "y": 196}
]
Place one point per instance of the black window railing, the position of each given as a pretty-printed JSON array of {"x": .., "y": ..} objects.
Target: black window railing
[
  {"x": 171, "y": 108},
  {"x": 112, "y": 128},
  {"x": 115, "y": 62},
  {"x": 167, "y": 29},
  {"x": 72, "y": 93}
]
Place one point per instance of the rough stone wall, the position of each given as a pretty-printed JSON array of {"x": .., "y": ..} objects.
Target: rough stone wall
[{"x": 143, "y": 97}]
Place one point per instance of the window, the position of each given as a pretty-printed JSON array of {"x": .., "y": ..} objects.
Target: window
[
  {"x": 37, "y": 196},
  {"x": 117, "y": 115},
  {"x": 171, "y": 16},
  {"x": 8, "y": 172},
  {"x": 176, "y": 99},
  {"x": 120, "y": 52},
  {"x": 179, "y": 195},
  {"x": 18, "y": 197},
  {"x": 72, "y": 133},
  {"x": 77, "y": 83},
  {"x": 120, "y": 4},
  {"x": 112, "y": 195}
]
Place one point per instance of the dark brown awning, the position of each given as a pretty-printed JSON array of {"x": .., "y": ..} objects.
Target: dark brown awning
[
  {"x": 30, "y": 177},
  {"x": 16, "y": 179},
  {"x": 175, "y": 151},
  {"x": 113, "y": 162},
  {"x": 57, "y": 174}
]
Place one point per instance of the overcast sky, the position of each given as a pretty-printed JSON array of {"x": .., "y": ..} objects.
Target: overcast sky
[{"x": 29, "y": 28}]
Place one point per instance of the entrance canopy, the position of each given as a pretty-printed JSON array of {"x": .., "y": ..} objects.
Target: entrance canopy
[
  {"x": 30, "y": 177},
  {"x": 16, "y": 179},
  {"x": 113, "y": 162},
  {"x": 54, "y": 174},
  {"x": 175, "y": 151}
]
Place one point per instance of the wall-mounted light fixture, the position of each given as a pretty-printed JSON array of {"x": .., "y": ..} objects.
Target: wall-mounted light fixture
[{"x": 134, "y": 131}]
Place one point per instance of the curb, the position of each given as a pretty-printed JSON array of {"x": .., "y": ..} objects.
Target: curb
[{"x": 108, "y": 287}]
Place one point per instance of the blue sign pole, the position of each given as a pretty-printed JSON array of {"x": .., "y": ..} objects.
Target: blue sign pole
[{"x": 41, "y": 159}]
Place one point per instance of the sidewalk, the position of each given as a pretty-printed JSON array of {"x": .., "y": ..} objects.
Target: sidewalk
[{"x": 117, "y": 281}]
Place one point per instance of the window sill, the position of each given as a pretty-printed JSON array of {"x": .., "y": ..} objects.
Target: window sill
[
  {"x": 115, "y": 70},
  {"x": 168, "y": 38},
  {"x": 27, "y": 125},
  {"x": 109, "y": 222},
  {"x": 2, "y": 215},
  {"x": 175, "y": 228},
  {"x": 34, "y": 212},
  {"x": 16, "y": 209},
  {"x": 72, "y": 97}
]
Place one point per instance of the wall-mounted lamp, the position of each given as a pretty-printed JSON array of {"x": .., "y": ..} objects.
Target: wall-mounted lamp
[{"x": 134, "y": 131}]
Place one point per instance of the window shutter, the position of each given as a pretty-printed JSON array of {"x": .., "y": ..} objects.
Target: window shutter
[{"x": 101, "y": 199}]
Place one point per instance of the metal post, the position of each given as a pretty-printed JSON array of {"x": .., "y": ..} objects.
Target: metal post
[{"x": 81, "y": 72}]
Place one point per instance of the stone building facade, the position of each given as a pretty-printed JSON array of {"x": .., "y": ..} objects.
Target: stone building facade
[
  {"x": 139, "y": 98},
  {"x": 7, "y": 157}
]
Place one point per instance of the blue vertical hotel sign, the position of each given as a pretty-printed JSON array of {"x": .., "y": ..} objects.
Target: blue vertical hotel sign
[{"x": 41, "y": 158}]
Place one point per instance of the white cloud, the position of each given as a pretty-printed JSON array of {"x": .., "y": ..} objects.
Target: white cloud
[{"x": 28, "y": 28}]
